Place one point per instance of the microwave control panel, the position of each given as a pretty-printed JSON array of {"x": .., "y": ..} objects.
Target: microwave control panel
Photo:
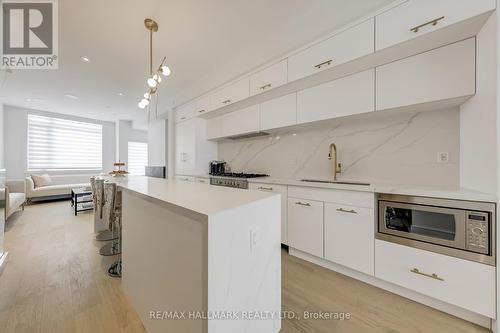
[{"x": 477, "y": 234}]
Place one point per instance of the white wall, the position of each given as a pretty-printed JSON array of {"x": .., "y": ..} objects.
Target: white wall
[
  {"x": 478, "y": 118},
  {"x": 16, "y": 127},
  {"x": 157, "y": 142},
  {"x": 380, "y": 147},
  {"x": 127, "y": 133}
]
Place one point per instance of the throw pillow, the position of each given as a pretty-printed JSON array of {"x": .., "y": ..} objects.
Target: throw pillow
[{"x": 41, "y": 180}]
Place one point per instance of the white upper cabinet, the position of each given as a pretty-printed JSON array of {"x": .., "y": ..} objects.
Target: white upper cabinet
[
  {"x": 202, "y": 105},
  {"x": 230, "y": 94},
  {"x": 416, "y": 18},
  {"x": 185, "y": 112},
  {"x": 345, "y": 46},
  {"x": 279, "y": 112},
  {"x": 243, "y": 121},
  {"x": 346, "y": 96},
  {"x": 269, "y": 78},
  {"x": 444, "y": 73},
  {"x": 214, "y": 128}
]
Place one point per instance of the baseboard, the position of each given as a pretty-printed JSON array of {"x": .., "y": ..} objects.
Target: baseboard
[
  {"x": 407, "y": 293},
  {"x": 51, "y": 198}
]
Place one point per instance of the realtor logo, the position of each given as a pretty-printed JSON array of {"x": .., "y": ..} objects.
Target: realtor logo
[{"x": 29, "y": 34}]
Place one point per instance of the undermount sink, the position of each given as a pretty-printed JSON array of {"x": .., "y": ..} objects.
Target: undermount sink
[{"x": 334, "y": 182}]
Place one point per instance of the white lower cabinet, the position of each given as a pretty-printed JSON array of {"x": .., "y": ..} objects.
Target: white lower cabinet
[
  {"x": 305, "y": 225},
  {"x": 349, "y": 236},
  {"x": 282, "y": 190},
  {"x": 463, "y": 283},
  {"x": 185, "y": 178}
]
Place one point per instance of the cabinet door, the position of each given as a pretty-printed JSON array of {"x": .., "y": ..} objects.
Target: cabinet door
[
  {"x": 443, "y": 73},
  {"x": 282, "y": 190},
  {"x": 184, "y": 178},
  {"x": 349, "y": 236},
  {"x": 305, "y": 225},
  {"x": 345, "y": 46},
  {"x": 185, "y": 112},
  {"x": 279, "y": 112},
  {"x": 269, "y": 78},
  {"x": 416, "y": 18},
  {"x": 214, "y": 128},
  {"x": 460, "y": 282},
  {"x": 346, "y": 96},
  {"x": 185, "y": 147},
  {"x": 230, "y": 94},
  {"x": 202, "y": 105},
  {"x": 242, "y": 121}
]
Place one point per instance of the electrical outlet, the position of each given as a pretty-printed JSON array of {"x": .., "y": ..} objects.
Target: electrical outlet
[
  {"x": 443, "y": 157},
  {"x": 255, "y": 238}
]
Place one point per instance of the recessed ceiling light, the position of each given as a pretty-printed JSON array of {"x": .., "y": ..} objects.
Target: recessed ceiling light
[
  {"x": 120, "y": 94},
  {"x": 34, "y": 100},
  {"x": 85, "y": 59},
  {"x": 294, "y": 134},
  {"x": 70, "y": 96}
]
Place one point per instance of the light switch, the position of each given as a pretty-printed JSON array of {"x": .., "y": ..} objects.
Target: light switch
[
  {"x": 443, "y": 157},
  {"x": 255, "y": 238}
]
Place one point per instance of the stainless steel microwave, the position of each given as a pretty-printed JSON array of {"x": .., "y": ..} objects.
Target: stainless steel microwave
[{"x": 463, "y": 229}]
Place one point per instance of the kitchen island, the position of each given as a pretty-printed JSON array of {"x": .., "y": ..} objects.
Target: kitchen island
[{"x": 201, "y": 258}]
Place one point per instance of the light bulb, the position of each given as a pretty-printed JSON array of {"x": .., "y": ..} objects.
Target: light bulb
[
  {"x": 166, "y": 71},
  {"x": 147, "y": 95},
  {"x": 152, "y": 82},
  {"x": 158, "y": 78},
  {"x": 145, "y": 101},
  {"x": 142, "y": 106}
]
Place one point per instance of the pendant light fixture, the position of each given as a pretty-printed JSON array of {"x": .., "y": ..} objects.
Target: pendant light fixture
[{"x": 154, "y": 78}]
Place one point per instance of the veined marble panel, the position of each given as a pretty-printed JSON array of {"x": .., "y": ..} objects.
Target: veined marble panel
[{"x": 379, "y": 148}]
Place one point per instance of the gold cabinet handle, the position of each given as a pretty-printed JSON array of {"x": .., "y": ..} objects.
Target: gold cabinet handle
[
  {"x": 226, "y": 101},
  {"x": 182, "y": 118},
  {"x": 201, "y": 111},
  {"x": 433, "y": 22},
  {"x": 326, "y": 63},
  {"x": 264, "y": 87},
  {"x": 306, "y": 204},
  {"x": 351, "y": 211},
  {"x": 432, "y": 276},
  {"x": 265, "y": 188}
]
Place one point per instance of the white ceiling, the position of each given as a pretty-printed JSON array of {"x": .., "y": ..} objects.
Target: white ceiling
[{"x": 207, "y": 42}]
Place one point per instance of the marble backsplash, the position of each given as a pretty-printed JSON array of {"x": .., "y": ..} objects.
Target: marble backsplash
[{"x": 388, "y": 148}]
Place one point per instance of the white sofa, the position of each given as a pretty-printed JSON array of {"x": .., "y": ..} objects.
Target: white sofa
[
  {"x": 60, "y": 188},
  {"x": 15, "y": 196}
]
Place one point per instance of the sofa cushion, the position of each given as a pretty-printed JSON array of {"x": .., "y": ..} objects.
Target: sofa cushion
[
  {"x": 41, "y": 180},
  {"x": 53, "y": 190}
]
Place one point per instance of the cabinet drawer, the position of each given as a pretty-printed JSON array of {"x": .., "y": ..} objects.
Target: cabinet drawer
[
  {"x": 185, "y": 112},
  {"x": 345, "y": 46},
  {"x": 202, "y": 105},
  {"x": 269, "y": 78},
  {"x": 395, "y": 26},
  {"x": 344, "y": 197},
  {"x": 463, "y": 283},
  {"x": 279, "y": 112},
  {"x": 305, "y": 225},
  {"x": 346, "y": 96},
  {"x": 230, "y": 94},
  {"x": 282, "y": 190},
  {"x": 242, "y": 121},
  {"x": 349, "y": 236},
  {"x": 214, "y": 128},
  {"x": 443, "y": 73}
]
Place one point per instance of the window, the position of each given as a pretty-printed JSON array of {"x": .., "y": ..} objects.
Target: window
[
  {"x": 137, "y": 157},
  {"x": 61, "y": 144}
]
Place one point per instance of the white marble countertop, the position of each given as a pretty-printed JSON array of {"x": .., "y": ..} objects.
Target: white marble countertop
[{"x": 195, "y": 197}]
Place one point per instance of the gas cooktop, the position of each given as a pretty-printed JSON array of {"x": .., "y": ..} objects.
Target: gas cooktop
[
  {"x": 233, "y": 179},
  {"x": 239, "y": 175}
]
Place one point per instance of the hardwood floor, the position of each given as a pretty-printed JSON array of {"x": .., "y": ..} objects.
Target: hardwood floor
[{"x": 56, "y": 282}]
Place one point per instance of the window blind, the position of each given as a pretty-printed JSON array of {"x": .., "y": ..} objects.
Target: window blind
[
  {"x": 61, "y": 144},
  {"x": 137, "y": 157}
]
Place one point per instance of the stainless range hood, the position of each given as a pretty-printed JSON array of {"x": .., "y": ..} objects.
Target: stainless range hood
[{"x": 248, "y": 135}]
